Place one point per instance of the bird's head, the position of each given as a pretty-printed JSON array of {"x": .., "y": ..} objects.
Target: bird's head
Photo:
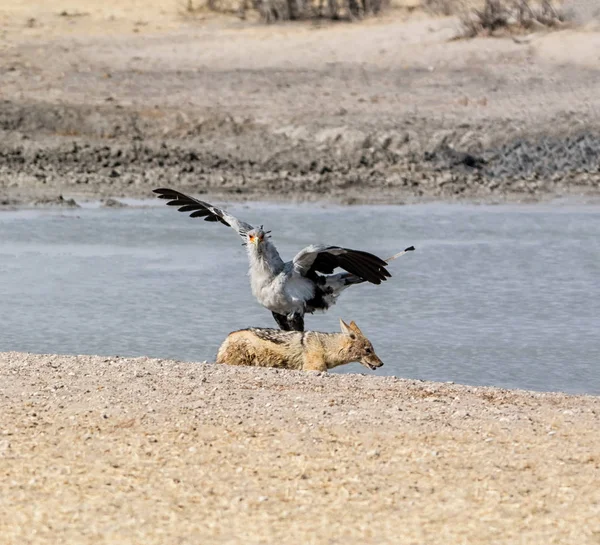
[{"x": 255, "y": 238}]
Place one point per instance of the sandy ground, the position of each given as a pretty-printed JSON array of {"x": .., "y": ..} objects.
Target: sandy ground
[
  {"x": 114, "y": 98},
  {"x": 111, "y": 450}
]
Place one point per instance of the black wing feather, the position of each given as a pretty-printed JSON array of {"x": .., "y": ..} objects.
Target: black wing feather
[
  {"x": 362, "y": 268},
  {"x": 362, "y": 264},
  {"x": 188, "y": 204}
]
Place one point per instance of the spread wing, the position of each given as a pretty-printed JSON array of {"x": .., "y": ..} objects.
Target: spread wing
[
  {"x": 200, "y": 209},
  {"x": 325, "y": 259}
]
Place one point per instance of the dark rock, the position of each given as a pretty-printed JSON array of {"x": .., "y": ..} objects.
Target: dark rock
[
  {"x": 113, "y": 203},
  {"x": 56, "y": 201}
]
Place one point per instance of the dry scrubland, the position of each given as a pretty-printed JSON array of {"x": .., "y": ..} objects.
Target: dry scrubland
[
  {"x": 109, "y": 450},
  {"x": 108, "y": 99}
]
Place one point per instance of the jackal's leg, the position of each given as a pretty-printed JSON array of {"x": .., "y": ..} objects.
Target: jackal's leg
[
  {"x": 296, "y": 322},
  {"x": 282, "y": 321},
  {"x": 314, "y": 362}
]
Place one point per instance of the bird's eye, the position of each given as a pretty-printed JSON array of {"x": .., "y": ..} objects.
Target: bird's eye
[{"x": 251, "y": 238}]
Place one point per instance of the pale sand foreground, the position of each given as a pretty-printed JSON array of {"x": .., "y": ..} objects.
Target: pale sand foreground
[{"x": 113, "y": 450}]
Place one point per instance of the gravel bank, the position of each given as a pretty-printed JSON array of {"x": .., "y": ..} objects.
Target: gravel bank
[{"x": 113, "y": 450}]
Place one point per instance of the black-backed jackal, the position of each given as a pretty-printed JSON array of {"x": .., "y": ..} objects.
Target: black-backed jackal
[{"x": 308, "y": 351}]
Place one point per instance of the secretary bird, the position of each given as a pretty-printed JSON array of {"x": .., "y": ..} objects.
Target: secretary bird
[{"x": 303, "y": 285}]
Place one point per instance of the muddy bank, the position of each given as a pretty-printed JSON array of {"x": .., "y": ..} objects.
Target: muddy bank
[
  {"x": 88, "y": 152},
  {"x": 392, "y": 110},
  {"x": 154, "y": 451}
]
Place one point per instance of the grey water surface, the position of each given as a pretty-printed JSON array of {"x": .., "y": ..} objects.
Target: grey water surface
[{"x": 493, "y": 295}]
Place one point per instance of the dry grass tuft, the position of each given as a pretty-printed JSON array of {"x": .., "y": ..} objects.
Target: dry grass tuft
[
  {"x": 277, "y": 10},
  {"x": 290, "y": 10},
  {"x": 194, "y": 8},
  {"x": 443, "y": 7},
  {"x": 516, "y": 16}
]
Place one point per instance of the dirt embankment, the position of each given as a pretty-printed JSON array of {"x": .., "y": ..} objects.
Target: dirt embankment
[
  {"x": 386, "y": 111},
  {"x": 239, "y": 159},
  {"x": 112, "y": 450}
]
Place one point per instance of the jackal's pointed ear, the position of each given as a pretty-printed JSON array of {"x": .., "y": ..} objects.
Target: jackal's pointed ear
[
  {"x": 354, "y": 328},
  {"x": 346, "y": 329}
]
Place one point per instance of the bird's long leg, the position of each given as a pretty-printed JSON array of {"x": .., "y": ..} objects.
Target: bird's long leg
[
  {"x": 296, "y": 322},
  {"x": 282, "y": 321}
]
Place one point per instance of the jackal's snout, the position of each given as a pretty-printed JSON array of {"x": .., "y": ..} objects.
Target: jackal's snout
[{"x": 371, "y": 361}]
